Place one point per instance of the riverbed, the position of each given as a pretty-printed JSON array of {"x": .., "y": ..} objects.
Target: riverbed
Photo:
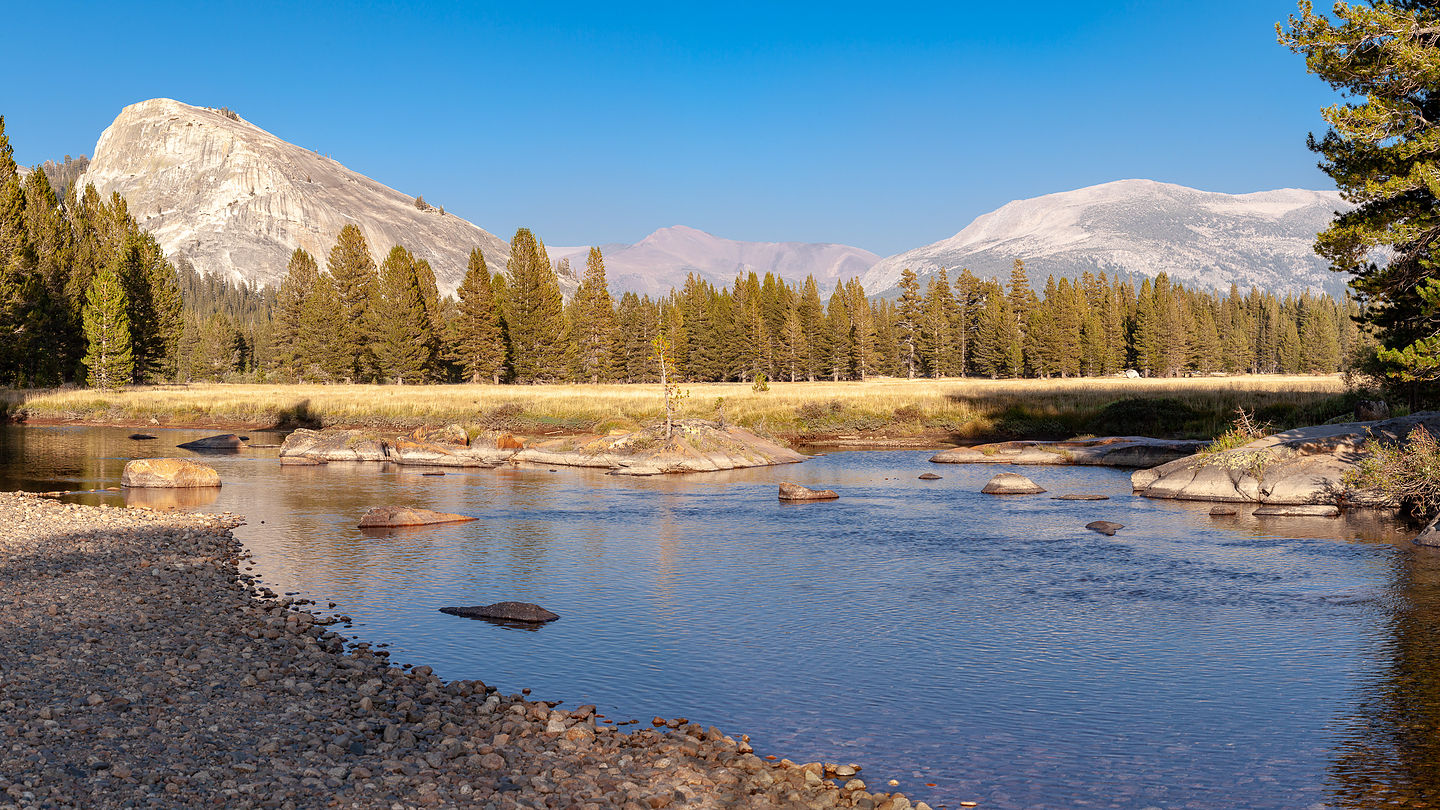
[{"x": 990, "y": 647}]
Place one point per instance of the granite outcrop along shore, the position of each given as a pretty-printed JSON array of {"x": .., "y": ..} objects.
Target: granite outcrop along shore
[
  {"x": 695, "y": 446},
  {"x": 143, "y": 669}
]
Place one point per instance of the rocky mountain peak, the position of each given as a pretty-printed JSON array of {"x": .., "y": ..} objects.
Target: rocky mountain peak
[{"x": 231, "y": 198}]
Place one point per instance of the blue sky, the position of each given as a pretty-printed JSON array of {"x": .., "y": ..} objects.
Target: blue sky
[{"x": 883, "y": 125}]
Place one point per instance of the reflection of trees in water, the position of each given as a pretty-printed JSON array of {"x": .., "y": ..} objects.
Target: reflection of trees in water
[{"x": 1389, "y": 754}]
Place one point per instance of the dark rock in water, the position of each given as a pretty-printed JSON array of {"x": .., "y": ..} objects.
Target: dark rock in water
[
  {"x": 1298, "y": 510},
  {"x": 929, "y": 477},
  {"x": 433, "y": 472},
  {"x": 1367, "y": 410},
  {"x": 1223, "y": 511},
  {"x": 1012, "y": 484},
  {"x": 140, "y": 437},
  {"x": 505, "y": 612},
  {"x": 795, "y": 492},
  {"x": 1431, "y": 535},
  {"x": 1105, "y": 527},
  {"x": 227, "y": 441},
  {"x": 167, "y": 472},
  {"x": 1081, "y": 498},
  {"x": 386, "y": 517}
]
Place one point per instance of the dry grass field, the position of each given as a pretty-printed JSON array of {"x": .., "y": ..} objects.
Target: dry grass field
[{"x": 955, "y": 409}]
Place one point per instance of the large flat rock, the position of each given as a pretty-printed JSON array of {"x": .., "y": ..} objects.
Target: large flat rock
[
  {"x": 1294, "y": 467},
  {"x": 390, "y": 517},
  {"x": 1110, "y": 451}
]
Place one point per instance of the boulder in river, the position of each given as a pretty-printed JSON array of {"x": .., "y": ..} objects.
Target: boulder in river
[
  {"x": 795, "y": 492},
  {"x": 1299, "y": 510},
  {"x": 300, "y": 461},
  {"x": 504, "y": 612},
  {"x": 335, "y": 445},
  {"x": 1105, "y": 527},
  {"x": 929, "y": 477},
  {"x": 1223, "y": 511},
  {"x": 225, "y": 441},
  {"x": 1012, "y": 484},
  {"x": 140, "y": 437},
  {"x": 389, "y": 517},
  {"x": 168, "y": 472}
]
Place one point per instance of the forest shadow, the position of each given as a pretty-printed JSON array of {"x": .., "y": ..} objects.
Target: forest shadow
[{"x": 298, "y": 415}]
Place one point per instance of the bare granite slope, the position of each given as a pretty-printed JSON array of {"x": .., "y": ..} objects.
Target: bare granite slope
[{"x": 233, "y": 199}]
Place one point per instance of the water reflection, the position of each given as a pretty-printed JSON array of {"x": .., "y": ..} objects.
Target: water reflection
[
  {"x": 171, "y": 497},
  {"x": 993, "y": 647},
  {"x": 1390, "y": 747}
]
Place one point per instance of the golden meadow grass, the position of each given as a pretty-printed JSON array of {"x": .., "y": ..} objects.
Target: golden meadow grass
[{"x": 959, "y": 408}]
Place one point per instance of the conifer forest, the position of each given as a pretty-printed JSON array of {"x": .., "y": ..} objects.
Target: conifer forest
[{"x": 87, "y": 297}]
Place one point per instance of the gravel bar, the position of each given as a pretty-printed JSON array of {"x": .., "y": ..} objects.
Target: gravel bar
[{"x": 140, "y": 668}]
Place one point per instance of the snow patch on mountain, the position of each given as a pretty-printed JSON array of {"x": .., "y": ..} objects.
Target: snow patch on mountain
[{"x": 1140, "y": 228}]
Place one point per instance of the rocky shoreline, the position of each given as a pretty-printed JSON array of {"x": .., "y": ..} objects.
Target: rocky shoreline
[{"x": 142, "y": 669}]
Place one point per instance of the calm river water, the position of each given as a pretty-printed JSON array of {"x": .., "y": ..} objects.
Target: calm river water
[{"x": 990, "y": 646}]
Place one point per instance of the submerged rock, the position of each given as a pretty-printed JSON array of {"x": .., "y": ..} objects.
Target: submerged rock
[
  {"x": 1223, "y": 511},
  {"x": 386, "y": 517},
  {"x": 1104, "y": 527},
  {"x": 504, "y": 611},
  {"x": 300, "y": 461},
  {"x": 929, "y": 477},
  {"x": 140, "y": 437},
  {"x": 1109, "y": 451},
  {"x": 795, "y": 492},
  {"x": 225, "y": 441},
  {"x": 1081, "y": 498},
  {"x": 168, "y": 472},
  {"x": 1012, "y": 484}
]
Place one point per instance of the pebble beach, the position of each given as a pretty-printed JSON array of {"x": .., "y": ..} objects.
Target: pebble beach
[{"x": 139, "y": 667}]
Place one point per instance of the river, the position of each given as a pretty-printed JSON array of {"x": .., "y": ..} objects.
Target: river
[{"x": 973, "y": 648}]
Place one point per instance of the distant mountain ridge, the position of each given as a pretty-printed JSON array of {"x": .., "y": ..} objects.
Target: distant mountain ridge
[
  {"x": 662, "y": 260},
  {"x": 1141, "y": 227},
  {"x": 233, "y": 199}
]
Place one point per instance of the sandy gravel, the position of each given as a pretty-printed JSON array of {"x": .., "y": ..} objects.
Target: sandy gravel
[{"x": 139, "y": 669}]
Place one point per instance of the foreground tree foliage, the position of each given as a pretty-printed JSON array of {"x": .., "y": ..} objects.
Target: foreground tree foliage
[{"x": 1382, "y": 150}]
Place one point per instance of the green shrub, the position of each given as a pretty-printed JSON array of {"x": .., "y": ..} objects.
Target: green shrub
[{"x": 1407, "y": 471}]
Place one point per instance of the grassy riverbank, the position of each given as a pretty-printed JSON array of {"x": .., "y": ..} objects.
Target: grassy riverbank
[{"x": 875, "y": 410}]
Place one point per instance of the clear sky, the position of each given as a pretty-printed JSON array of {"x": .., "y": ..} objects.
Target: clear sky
[{"x": 882, "y": 125}]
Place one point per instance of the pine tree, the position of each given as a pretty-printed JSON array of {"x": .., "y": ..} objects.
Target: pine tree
[
  {"x": 911, "y": 307},
  {"x": 478, "y": 344},
  {"x": 297, "y": 286},
  {"x": 534, "y": 311},
  {"x": 839, "y": 337},
  {"x": 107, "y": 331},
  {"x": 594, "y": 317},
  {"x": 323, "y": 348},
  {"x": 862, "y": 330},
  {"x": 1383, "y": 58},
  {"x": 406, "y": 346},
  {"x": 811, "y": 312},
  {"x": 353, "y": 271}
]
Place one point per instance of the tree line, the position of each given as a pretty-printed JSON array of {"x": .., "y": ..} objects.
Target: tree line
[{"x": 87, "y": 296}]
